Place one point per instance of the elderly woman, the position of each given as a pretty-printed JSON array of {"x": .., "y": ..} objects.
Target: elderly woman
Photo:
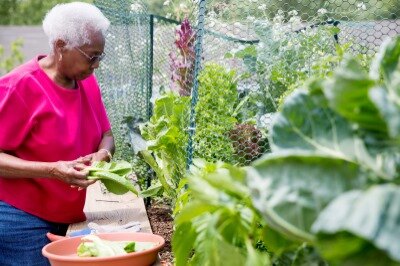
[{"x": 53, "y": 124}]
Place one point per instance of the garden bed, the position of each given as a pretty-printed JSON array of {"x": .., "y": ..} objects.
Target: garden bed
[{"x": 162, "y": 224}]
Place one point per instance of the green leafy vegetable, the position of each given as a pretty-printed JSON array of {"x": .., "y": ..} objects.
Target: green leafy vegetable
[
  {"x": 332, "y": 178},
  {"x": 114, "y": 175},
  {"x": 166, "y": 139},
  {"x": 130, "y": 247},
  {"x": 218, "y": 98},
  {"x": 366, "y": 216},
  {"x": 218, "y": 226},
  {"x": 93, "y": 246}
]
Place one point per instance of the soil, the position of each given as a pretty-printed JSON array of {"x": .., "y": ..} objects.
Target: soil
[{"x": 161, "y": 222}]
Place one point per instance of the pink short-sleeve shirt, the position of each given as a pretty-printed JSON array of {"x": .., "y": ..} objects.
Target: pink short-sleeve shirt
[{"x": 41, "y": 121}]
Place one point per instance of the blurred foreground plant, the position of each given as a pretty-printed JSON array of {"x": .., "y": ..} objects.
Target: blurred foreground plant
[{"x": 7, "y": 63}]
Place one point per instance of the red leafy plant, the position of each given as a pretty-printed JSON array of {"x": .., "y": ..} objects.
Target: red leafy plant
[
  {"x": 247, "y": 142},
  {"x": 182, "y": 61}
]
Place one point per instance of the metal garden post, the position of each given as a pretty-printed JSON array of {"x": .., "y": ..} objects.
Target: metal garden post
[{"x": 197, "y": 67}]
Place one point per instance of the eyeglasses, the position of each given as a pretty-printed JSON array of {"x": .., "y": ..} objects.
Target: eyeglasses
[{"x": 92, "y": 59}]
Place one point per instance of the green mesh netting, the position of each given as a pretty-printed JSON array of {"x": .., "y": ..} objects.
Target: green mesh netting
[
  {"x": 241, "y": 61},
  {"x": 125, "y": 73}
]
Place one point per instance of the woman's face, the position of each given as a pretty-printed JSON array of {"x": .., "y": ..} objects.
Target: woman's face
[{"x": 79, "y": 63}]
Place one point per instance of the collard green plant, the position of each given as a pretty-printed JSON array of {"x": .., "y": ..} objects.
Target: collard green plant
[
  {"x": 332, "y": 177},
  {"x": 218, "y": 226},
  {"x": 218, "y": 98}
]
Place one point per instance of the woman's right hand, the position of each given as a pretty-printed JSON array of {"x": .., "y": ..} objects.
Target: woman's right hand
[{"x": 72, "y": 172}]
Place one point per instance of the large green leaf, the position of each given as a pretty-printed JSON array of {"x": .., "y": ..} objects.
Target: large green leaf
[
  {"x": 305, "y": 123},
  {"x": 277, "y": 242},
  {"x": 211, "y": 248},
  {"x": 182, "y": 242},
  {"x": 291, "y": 189},
  {"x": 152, "y": 191},
  {"x": 387, "y": 63},
  {"x": 149, "y": 159},
  {"x": 114, "y": 175},
  {"x": 120, "y": 168},
  {"x": 221, "y": 213},
  {"x": 388, "y": 108},
  {"x": 347, "y": 93},
  {"x": 306, "y": 255},
  {"x": 193, "y": 210},
  {"x": 362, "y": 217},
  {"x": 387, "y": 97}
]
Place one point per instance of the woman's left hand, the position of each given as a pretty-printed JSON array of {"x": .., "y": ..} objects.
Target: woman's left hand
[{"x": 100, "y": 155}]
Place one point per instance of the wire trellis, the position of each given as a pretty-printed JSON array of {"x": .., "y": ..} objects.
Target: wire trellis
[{"x": 235, "y": 60}]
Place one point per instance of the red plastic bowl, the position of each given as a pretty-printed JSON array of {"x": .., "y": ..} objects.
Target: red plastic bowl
[{"x": 63, "y": 252}]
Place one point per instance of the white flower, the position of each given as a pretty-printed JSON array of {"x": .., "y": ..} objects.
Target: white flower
[
  {"x": 322, "y": 11},
  {"x": 251, "y": 18},
  {"x": 278, "y": 18},
  {"x": 136, "y": 7},
  {"x": 212, "y": 14},
  {"x": 293, "y": 13},
  {"x": 295, "y": 21},
  {"x": 361, "y": 6},
  {"x": 166, "y": 3},
  {"x": 263, "y": 7},
  {"x": 168, "y": 15}
]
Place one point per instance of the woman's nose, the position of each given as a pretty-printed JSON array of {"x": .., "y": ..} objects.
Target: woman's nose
[{"x": 96, "y": 64}]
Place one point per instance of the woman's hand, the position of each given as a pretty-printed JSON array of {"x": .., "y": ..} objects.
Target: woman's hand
[
  {"x": 72, "y": 172},
  {"x": 100, "y": 155}
]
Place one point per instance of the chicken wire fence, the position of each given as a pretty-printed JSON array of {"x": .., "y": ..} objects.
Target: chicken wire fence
[{"x": 204, "y": 78}]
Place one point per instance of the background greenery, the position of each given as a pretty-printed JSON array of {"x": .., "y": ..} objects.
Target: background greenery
[
  {"x": 31, "y": 12},
  {"x": 27, "y": 12}
]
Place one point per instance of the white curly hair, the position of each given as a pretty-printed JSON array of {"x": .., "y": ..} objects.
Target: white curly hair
[{"x": 73, "y": 22}]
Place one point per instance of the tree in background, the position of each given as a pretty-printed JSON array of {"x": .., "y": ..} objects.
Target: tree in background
[
  {"x": 27, "y": 12},
  {"x": 31, "y": 12},
  {"x": 7, "y": 8},
  {"x": 7, "y": 63}
]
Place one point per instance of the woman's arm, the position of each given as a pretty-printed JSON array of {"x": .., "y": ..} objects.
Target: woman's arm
[
  {"x": 106, "y": 148},
  {"x": 71, "y": 172}
]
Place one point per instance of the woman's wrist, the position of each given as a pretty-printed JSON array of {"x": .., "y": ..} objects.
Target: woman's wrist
[{"x": 109, "y": 154}]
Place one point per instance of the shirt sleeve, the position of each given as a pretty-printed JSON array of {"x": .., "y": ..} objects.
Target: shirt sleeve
[{"x": 15, "y": 119}]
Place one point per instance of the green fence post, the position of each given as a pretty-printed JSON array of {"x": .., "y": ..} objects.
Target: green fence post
[{"x": 197, "y": 67}]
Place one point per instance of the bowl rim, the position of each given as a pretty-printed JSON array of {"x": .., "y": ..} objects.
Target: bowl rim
[{"x": 52, "y": 256}]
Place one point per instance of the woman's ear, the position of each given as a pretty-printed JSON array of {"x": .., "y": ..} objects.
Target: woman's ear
[{"x": 59, "y": 45}]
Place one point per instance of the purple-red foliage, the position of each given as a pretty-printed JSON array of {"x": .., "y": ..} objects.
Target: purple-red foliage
[
  {"x": 182, "y": 61},
  {"x": 247, "y": 142}
]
